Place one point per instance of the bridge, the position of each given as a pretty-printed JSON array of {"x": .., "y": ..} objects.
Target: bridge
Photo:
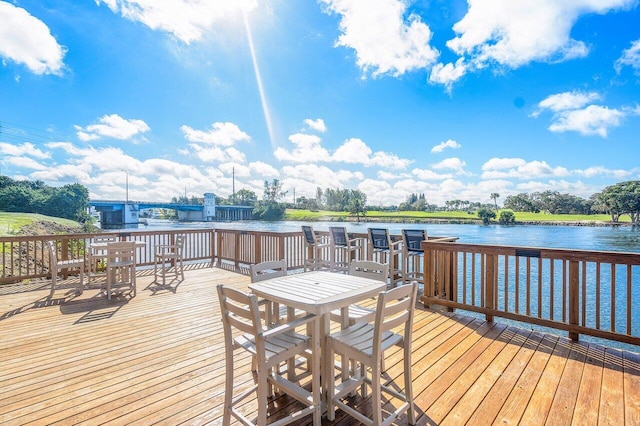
[{"x": 119, "y": 212}]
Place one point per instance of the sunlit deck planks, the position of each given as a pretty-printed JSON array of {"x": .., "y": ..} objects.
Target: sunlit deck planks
[{"x": 159, "y": 359}]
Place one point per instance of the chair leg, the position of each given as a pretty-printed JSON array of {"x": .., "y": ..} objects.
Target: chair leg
[
  {"x": 408, "y": 387},
  {"x": 81, "y": 289},
  {"x": 262, "y": 391},
  {"x": 376, "y": 393},
  {"x": 331, "y": 385},
  {"x": 228, "y": 391},
  {"x": 54, "y": 280}
]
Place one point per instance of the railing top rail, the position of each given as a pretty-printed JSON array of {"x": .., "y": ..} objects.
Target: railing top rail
[{"x": 537, "y": 252}]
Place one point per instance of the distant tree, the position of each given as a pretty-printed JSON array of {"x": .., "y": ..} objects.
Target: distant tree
[
  {"x": 494, "y": 196},
  {"x": 507, "y": 217},
  {"x": 622, "y": 198},
  {"x": 486, "y": 215},
  {"x": 273, "y": 191},
  {"x": 246, "y": 197},
  {"x": 357, "y": 204},
  {"x": 521, "y": 203}
]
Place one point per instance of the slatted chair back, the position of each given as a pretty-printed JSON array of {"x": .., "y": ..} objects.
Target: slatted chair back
[
  {"x": 269, "y": 269},
  {"x": 56, "y": 265},
  {"x": 369, "y": 269},
  {"x": 338, "y": 235},
  {"x": 413, "y": 239},
  {"x": 309, "y": 235},
  {"x": 240, "y": 314},
  {"x": 379, "y": 239}
]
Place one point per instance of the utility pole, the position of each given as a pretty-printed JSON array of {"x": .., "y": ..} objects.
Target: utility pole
[
  {"x": 233, "y": 185},
  {"x": 126, "y": 186}
]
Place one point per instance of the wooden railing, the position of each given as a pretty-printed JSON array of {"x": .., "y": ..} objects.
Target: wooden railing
[
  {"x": 25, "y": 257},
  {"x": 582, "y": 292}
]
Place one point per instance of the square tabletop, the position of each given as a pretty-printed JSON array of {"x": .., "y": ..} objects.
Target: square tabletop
[{"x": 317, "y": 292}]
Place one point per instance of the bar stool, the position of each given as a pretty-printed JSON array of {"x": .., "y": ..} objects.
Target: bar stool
[
  {"x": 387, "y": 251},
  {"x": 413, "y": 254}
]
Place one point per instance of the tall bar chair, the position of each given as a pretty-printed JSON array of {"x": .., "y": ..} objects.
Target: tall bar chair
[
  {"x": 387, "y": 251},
  {"x": 316, "y": 246},
  {"x": 413, "y": 255},
  {"x": 55, "y": 266},
  {"x": 167, "y": 260},
  {"x": 366, "y": 343},
  {"x": 243, "y": 329},
  {"x": 121, "y": 267},
  {"x": 343, "y": 248}
]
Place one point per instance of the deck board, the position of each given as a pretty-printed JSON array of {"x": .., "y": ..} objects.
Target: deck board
[{"x": 159, "y": 359}]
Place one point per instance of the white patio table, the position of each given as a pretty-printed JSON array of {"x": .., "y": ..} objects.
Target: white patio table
[{"x": 318, "y": 293}]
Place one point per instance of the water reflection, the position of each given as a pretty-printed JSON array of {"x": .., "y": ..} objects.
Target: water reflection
[{"x": 623, "y": 238}]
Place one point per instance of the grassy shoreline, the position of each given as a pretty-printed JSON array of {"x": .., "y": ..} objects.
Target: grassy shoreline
[
  {"x": 12, "y": 223},
  {"x": 522, "y": 218}
]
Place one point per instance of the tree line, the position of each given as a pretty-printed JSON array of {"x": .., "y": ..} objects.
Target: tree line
[{"x": 68, "y": 201}]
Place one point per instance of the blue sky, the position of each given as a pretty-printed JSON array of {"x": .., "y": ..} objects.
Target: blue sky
[{"x": 453, "y": 99}]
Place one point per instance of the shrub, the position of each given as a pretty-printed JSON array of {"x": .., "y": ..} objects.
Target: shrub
[{"x": 507, "y": 217}]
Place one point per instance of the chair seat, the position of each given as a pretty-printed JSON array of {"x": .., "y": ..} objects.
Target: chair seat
[
  {"x": 275, "y": 346},
  {"x": 356, "y": 313},
  {"x": 357, "y": 340}
]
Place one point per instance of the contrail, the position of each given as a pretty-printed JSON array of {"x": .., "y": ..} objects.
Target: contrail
[{"x": 256, "y": 69}]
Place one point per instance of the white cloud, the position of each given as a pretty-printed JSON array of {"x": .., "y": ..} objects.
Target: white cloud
[
  {"x": 25, "y": 162},
  {"x": 596, "y": 171},
  {"x": 450, "y": 143},
  {"x": 384, "y": 39},
  {"x": 308, "y": 148},
  {"x": 516, "y": 168},
  {"x": 592, "y": 120},
  {"x": 112, "y": 126},
  {"x": 262, "y": 169},
  {"x": 514, "y": 33},
  {"x": 186, "y": 20},
  {"x": 353, "y": 150},
  {"x": 317, "y": 125},
  {"x": 447, "y": 74},
  {"x": 388, "y": 160},
  {"x": 426, "y": 174},
  {"x": 630, "y": 57},
  {"x": 503, "y": 163},
  {"x": 572, "y": 113},
  {"x": 27, "y": 40},
  {"x": 220, "y": 134},
  {"x": 567, "y": 101},
  {"x": 26, "y": 148},
  {"x": 452, "y": 163},
  {"x": 319, "y": 176}
]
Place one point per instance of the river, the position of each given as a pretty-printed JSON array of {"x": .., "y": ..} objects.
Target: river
[{"x": 620, "y": 238}]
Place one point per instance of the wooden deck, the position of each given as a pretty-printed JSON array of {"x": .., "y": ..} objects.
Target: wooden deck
[{"x": 158, "y": 358}]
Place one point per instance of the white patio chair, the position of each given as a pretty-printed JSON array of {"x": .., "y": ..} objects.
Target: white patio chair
[
  {"x": 97, "y": 255},
  {"x": 167, "y": 260},
  {"x": 344, "y": 249},
  {"x": 121, "y": 267},
  {"x": 243, "y": 329},
  {"x": 366, "y": 269},
  {"x": 55, "y": 266},
  {"x": 366, "y": 344}
]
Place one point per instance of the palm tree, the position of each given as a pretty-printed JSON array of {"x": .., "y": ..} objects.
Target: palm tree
[{"x": 494, "y": 196}]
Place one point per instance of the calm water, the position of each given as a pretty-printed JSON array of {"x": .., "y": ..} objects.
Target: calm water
[{"x": 623, "y": 238}]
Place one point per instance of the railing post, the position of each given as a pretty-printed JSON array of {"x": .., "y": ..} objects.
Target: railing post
[
  {"x": 281, "y": 248},
  {"x": 490, "y": 284},
  {"x": 428, "y": 276},
  {"x": 574, "y": 297},
  {"x": 258, "y": 248},
  {"x": 212, "y": 242}
]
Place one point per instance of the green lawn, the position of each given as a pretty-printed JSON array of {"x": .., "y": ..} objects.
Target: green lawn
[
  {"x": 10, "y": 223},
  {"x": 308, "y": 215}
]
